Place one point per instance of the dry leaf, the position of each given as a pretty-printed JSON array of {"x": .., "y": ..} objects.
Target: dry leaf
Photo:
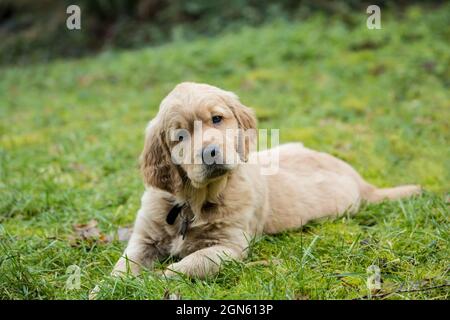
[{"x": 88, "y": 232}]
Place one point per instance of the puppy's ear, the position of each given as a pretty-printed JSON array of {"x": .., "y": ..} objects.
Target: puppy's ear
[
  {"x": 247, "y": 126},
  {"x": 155, "y": 160},
  {"x": 244, "y": 115}
]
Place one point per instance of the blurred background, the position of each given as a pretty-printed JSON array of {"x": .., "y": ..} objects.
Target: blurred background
[{"x": 32, "y": 31}]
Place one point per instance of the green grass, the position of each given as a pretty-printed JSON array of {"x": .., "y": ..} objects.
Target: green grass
[{"x": 71, "y": 132}]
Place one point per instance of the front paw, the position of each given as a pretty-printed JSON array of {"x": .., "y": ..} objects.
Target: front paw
[
  {"x": 172, "y": 271},
  {"x": 125, "y": 266}
]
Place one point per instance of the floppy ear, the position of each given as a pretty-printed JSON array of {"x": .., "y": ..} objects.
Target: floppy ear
[
  {"x": 247, "y": 126},
  {"x": 156, "y": 164},
  {"x": 244, "y": 115}
]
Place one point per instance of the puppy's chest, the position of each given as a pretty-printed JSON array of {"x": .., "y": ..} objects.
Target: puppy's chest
[
  {"x": 197, "y": 236},
  {"x": 186, "y": 234}
]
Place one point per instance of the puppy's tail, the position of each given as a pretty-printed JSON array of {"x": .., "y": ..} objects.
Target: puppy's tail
[{"x": 373, "y": 195}]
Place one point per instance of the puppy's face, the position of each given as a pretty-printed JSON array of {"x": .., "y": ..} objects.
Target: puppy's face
[
  {"x": 202, "y": 137},
  {"x": 199, "y": 134}
]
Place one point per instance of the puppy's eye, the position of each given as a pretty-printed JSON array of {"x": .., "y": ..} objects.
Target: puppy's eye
[
  {"x": 180, "y": 138},
  {"x": 216, "y": 119}
]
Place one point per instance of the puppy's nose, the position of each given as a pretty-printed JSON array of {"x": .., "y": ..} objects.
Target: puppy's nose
[{"x": 211, "y": 154}]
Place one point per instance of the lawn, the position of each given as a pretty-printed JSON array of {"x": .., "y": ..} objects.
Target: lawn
[{"x": 71, "y": 132}]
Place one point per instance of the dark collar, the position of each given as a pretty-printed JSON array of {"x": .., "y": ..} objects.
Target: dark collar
[{"x": 173, "y": 213}]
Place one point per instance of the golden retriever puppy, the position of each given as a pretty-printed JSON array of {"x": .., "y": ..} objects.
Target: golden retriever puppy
[{"x": 206, "y": 196}]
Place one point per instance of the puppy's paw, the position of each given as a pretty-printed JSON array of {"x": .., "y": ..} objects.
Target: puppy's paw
[
  {"x": 124, "y": 267},
  {"x": 172, "y": 271}
]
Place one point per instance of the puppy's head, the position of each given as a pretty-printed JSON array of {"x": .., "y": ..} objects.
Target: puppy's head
[{"x": 200, "y": 135}]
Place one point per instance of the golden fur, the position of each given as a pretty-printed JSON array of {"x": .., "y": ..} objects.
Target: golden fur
[{"x": 229, "y": 210}]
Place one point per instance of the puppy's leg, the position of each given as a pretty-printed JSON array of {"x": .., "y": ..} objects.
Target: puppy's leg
[
  {"x": 205, "y": 261},
  {"x": 139, "y": 253},
  {"x": 142, "y": 250}
]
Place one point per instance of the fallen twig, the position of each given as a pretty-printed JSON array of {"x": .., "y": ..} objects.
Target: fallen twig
[{"x": 383, "y": 295}]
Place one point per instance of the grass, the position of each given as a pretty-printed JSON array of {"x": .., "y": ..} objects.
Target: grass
[{"x": 71, "y": 132}]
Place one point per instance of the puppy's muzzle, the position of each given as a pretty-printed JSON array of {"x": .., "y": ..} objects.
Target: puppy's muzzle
[
  {"x": 213, "y": 161},
  {"x": 211, "y": 155}
]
